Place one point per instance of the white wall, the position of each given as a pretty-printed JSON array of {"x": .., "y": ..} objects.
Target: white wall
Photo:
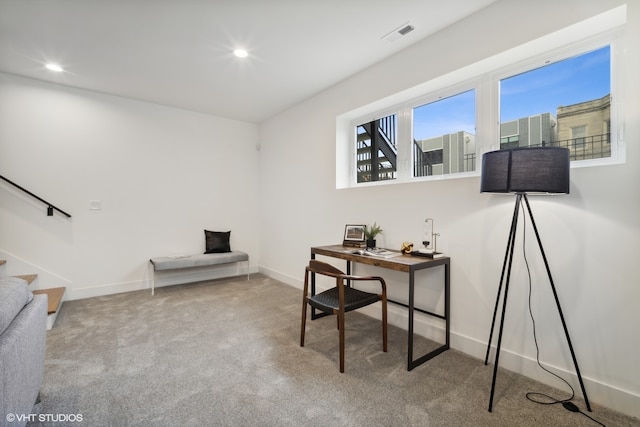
[
  {"x": 162, "y": 175},
  {"x": 592, "y": 236}
]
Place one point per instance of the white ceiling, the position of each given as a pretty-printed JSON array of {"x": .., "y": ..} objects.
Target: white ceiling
[{"x": 179, "y": 52}]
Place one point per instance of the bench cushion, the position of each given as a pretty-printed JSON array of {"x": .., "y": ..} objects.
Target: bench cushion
[{"x": 171, "y": 263}]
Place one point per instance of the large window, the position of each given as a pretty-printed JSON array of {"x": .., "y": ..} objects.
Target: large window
[
  {"x": 564, "y": 104},
  {"x": 525, "y": 97},
  {"x": 435, "y": 137}
]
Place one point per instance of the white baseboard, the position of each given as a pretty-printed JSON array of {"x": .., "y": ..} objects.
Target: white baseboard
[
  {"x": 598, "y": 392},
  {"x": 296, "y": 282},
  {"x": 168, "y": 278},
  {"x": 106, "y": 289}
]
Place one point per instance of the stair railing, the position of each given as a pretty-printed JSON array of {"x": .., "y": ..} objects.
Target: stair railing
[
  {"x": 387, "y": 129},
  {"x": 50, "y": 206},
  {"x": 381, "y": 134}
]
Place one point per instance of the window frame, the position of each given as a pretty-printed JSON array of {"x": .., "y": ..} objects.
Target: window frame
[
  {"x": 355, "y": 148},
  {"x": 614, "y": 39},
  {"x": 404, "y": 114},
  {"x": 449, "y": 92},
  {"x": 484, "y": 77}
]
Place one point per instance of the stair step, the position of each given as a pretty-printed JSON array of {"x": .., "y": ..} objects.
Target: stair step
[
  {"x": 28, "y": 277},
  {"x": 55, "y": 297}
]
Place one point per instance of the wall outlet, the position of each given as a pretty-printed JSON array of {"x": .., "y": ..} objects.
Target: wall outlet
[{"x": 95, "y": 205}]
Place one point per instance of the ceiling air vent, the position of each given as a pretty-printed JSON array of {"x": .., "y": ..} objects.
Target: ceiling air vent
[{"x": 402, "y": 30}]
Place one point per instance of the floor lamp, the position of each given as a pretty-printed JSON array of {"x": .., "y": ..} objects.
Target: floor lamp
[{"x": 520, "y": 171}]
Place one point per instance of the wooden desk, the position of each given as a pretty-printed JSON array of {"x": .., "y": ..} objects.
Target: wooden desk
[{"x": 405, "y": 263}]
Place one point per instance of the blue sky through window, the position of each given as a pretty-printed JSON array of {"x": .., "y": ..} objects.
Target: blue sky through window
[
  {"x": 445, "y": 116},
  {"x": 542, "y": 90},
  {"x": 563, "y": 83}
]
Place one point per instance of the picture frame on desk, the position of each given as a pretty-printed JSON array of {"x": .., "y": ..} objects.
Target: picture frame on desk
[{"x": 354, "y": 236}]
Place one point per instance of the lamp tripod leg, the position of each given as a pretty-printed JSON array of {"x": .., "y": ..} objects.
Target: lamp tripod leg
[
  {"x": 514, "y": 221},
  {"x": 555, "y": 295},
  {"x": 509, "y": 254}
]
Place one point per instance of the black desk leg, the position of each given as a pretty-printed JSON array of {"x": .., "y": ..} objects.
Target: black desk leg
[
  {"x": 410, "y": 364},
  {"x": 313, "y": 289},
  {"x": 447, "y": 303}
]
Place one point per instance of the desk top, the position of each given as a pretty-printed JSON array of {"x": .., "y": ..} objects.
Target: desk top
[{"x": 406, "y": 263}]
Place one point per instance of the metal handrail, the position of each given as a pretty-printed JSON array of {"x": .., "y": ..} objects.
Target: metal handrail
[{"x": 50, "y": 207}]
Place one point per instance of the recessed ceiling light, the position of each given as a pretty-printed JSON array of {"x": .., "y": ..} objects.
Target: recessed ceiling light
[
  {"x": 240, "y": 53},
  {"x": 54, "y": 67}
]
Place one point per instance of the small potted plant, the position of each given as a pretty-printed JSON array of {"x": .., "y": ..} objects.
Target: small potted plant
[{"x": 370, "y": 233}]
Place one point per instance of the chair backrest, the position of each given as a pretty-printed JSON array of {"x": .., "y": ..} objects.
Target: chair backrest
[{"x": 320, "y": 267}]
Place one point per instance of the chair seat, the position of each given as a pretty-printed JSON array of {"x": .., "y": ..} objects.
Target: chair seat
[{"x": 328, "y": 301}]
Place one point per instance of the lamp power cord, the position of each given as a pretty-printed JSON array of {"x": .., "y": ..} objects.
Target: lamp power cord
[{"x": 537, "y": 397}]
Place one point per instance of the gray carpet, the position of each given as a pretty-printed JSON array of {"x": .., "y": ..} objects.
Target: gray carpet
[{"x": 226, "y": 353}]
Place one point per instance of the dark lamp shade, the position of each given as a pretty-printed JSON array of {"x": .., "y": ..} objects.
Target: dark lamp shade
[{"x": 526, "y": 170}]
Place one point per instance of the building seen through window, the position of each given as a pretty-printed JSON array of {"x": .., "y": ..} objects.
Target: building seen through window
[
  {"x": 444, "y": 135},
  {"x": 566, "y": 103},
  {"x": 563, "y": 104}
]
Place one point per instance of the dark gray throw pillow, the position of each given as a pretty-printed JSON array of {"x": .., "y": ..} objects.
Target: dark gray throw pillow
[{"x": 217, "y": 241}]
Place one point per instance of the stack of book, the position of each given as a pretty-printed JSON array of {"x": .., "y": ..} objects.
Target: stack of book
[{"x": 427, "y": 254}]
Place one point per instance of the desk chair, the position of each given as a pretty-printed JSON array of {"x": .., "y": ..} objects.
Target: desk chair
[{"x": 341, "y": 299}]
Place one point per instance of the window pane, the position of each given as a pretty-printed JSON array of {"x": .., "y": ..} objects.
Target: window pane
[
  {"x": 376, "y": 150},
  {"x": 564, "y": 104},
  {"x": 444, "y": 136}
]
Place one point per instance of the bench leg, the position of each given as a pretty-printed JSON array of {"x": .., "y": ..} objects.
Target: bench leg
[
  {"x": 152, "y": 277},
  {"x": 152, "y": 269}
]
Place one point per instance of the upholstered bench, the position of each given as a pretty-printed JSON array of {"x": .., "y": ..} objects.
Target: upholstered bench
[{"x": 198, "y": 260}]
